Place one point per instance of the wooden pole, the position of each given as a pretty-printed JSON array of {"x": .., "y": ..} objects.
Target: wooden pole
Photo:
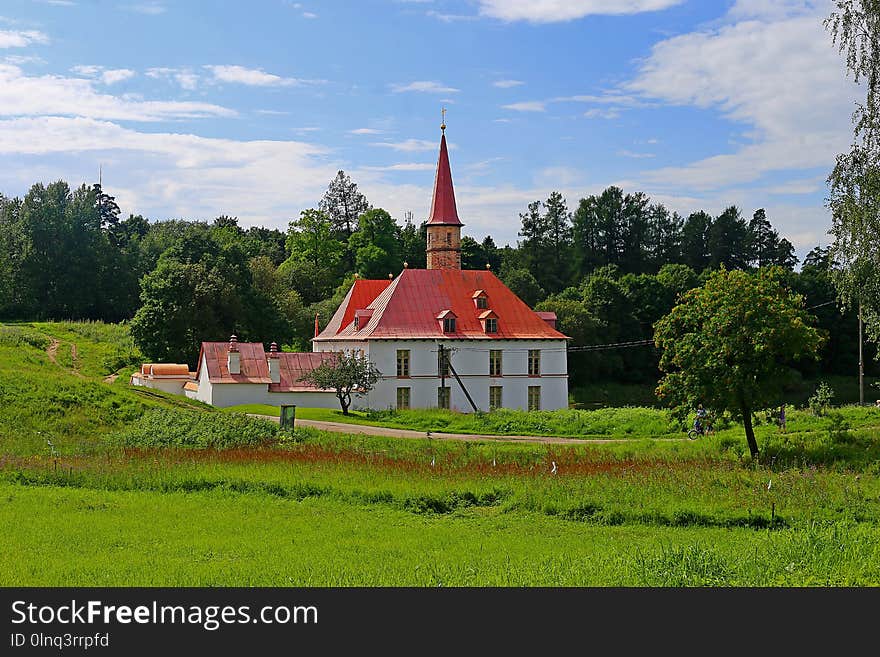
[{"x": 861, "y": 362}]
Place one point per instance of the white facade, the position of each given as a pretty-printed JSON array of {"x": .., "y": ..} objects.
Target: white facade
[
  {"x": 223, "y": 395},
  {"x": 470, "y": 359}
]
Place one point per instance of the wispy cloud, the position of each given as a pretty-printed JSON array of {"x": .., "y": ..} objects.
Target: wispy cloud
[
  {"x": 149, "y": 8},
  {"x": 365, "y": 131},
  {"x": 507, "y": 84},
  {"x": 597, "y": 113},
  {"x": 22, "y": 95},
  {"x": 185, "y": 77},
  {"x": 553, "y": 11},
  {"x": 527, "y": 106},
  {"x": 451, "y": 18},
  {"x": 636, "y": 156},
  {"x": 424, "y": 86},
  {"x": 409, "y": 145},
  {"x": 21, "y": 38},
  {"x": 405, "y": 166},
  {"x": 254, "y": 77}
]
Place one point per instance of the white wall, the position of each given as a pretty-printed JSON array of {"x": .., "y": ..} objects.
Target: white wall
[{"x": 470, "y": 359}]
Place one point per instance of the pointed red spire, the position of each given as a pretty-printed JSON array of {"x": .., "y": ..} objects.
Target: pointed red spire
[{"x": 443, "y": 204}]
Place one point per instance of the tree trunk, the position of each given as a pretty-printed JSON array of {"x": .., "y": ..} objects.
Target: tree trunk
[
  {"x": 750, "y": 432},
  {"x": 345, "y": 402}
]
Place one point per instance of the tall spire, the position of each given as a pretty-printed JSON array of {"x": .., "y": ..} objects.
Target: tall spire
[{"x": 443, "y": 211}]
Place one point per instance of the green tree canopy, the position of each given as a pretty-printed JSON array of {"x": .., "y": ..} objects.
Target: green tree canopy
[{"x": 728, "y": 344}]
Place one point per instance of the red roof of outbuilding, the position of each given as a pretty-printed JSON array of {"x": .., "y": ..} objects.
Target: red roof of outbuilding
[
  {"x": 293, "y": 366},
  {"x": 408, "y": 308},
  {"x": 443, "y": 209},
  {"x": 254, "y": 368}
]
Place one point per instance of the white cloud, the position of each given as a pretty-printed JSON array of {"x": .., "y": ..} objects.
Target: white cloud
[
  {"x": 507, "y": 84},
  {"x": 22, "y": 95},
  {"x": 781, "y": 79},
  {"x": 20, "y": 39},
  {"x": 408, "y": 146},
  {"x": 405, "y": 166},
  {"x": 115, "y": 75},
  {"x": 253, "y": 77},
  {"x": 450, "y": 18},
  {"x": 637, "y": 156},
  {"x": 365, "y": 131},
  {"x": 86, "y": 70},
  {"x": 149, "y": 8},
  {"x": 423, "y": 86},
  {"x": 182, "y": 76},
  {"x": 527, "y": 106},
  {"x": 308, "y": 14},
  {"x": 597, "y": 113},
  {"x": 165, "y": 175},
  {"x": 551, "y": 11}
]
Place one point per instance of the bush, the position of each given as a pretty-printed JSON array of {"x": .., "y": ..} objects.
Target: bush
[
  {"x": 181, "y": 428},
  {"x": 821, "y": 399}
]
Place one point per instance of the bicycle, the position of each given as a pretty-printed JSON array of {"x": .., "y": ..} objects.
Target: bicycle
[{"x": 700, "y": 430}]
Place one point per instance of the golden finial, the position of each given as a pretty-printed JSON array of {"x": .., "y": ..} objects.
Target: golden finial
[{"x": 443, "y": 120}]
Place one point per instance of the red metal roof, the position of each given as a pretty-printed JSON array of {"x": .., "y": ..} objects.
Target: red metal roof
[
  {"x": 409, "y": 307},
  {"x": 293, "y": 366},
  {"x": 443, "y": 210},
  {"x": 254, "y": 368},
  {"x": 359, "y": 297}
]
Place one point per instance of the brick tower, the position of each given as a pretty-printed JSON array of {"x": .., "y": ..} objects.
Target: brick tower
[{"x": 444, "y": 226}]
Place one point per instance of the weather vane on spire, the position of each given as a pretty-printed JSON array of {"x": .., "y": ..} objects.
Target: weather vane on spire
[{"x": 443, "y": 120}]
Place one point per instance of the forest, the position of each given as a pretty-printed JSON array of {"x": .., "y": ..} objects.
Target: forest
[{"x": 610, "y": 266}]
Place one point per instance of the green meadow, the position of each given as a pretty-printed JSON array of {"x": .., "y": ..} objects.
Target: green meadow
[{"x": 103, "y": 484}]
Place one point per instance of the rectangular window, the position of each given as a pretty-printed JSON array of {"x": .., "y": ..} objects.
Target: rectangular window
[
  {"x": 495, "y": 362},
  {"x": 443, "y": 363},
  {"x": 449, "y": 238},
  {"x": 443, "y": 397},
  {"x": 402, "y": 398},
  {"x": 494, "y": 397},
  {"x": 534, "y": 398},
  {"x": 403, "y": 362},
  {"x": 449, "y": 325},
  {"x": 491, "y": 325},
  {"x": 482, "y": 303},
  {"x": 534, "y": 362}
]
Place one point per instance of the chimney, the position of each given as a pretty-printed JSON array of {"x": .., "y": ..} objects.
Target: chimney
[
  {"x": 274, "y": 364},
  {"x": 233, "y": 357}
]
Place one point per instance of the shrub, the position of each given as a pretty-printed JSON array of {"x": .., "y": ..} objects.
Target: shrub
[
  {"x": 821, "y": 399},
  {"x": 166, "y": 427}
]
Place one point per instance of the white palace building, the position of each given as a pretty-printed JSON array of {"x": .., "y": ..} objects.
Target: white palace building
[{"x": 441, "y": 337}]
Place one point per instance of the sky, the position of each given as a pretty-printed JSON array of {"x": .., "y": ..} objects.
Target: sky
[{"x": 197, "y": 109}]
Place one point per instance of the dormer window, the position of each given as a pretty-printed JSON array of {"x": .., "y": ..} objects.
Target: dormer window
[
  {"x": 481, "y": 300},
  {"x": 489, "y": 320},
  {"x": 447, "y": 321},
  {"x": 362, "y": 317}
]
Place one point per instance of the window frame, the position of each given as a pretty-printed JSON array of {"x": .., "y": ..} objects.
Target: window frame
[
  {"x": 534, "y": 363},
  {"x": 533, "y": 401},
  {"x": 403, "y": 363},
  {"x": 404, "y": 391},
  {"x": 493, "y": 391},
  {"x": 491, "y": 324},
  {"x": 444, "y": 397},
  {"x": 449, "y": 324},
  {"x": 496, "y": 358}
]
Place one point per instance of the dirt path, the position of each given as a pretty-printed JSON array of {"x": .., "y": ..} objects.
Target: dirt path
[
  {"x": 342, "y": 427},
  {"x": 52, "y": 353},
  {"x": 111, "y": 378}
]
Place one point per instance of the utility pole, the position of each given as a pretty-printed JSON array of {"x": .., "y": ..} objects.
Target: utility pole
[{"x": 861, "y": 361}]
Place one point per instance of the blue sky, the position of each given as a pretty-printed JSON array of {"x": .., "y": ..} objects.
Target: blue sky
[{"x": 196, "y": 109}]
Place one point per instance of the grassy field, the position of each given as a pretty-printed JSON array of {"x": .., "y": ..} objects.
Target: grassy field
[{"x": 149, "y": 489}]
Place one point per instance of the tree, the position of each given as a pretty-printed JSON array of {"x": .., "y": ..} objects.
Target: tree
[
  {"x": 523, "y": 284},
  {"x": 344, "y": 204},
  {"x": 314, "y": 255},
  {"x": 729, "y": 240},
  {"x": 346, "y": 374},
  {"x": 695, "y": 241},
  {"x": 727, "y": 344},
  {"x": 854, "y": 182},
  {"x": 376, "y": 244},
  {"x": 547, "y": 241}
]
